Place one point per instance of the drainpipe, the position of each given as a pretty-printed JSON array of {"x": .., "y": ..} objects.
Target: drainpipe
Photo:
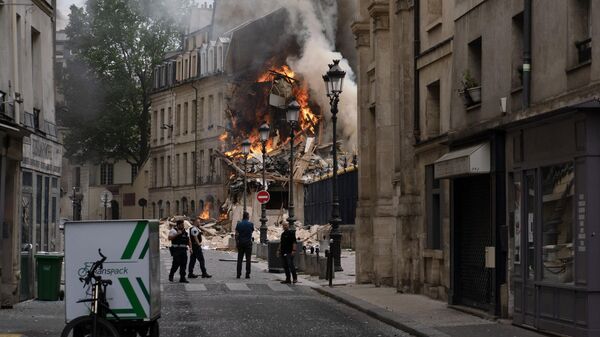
[
  {"x": 416, "y": 51},
  {"x": 527, "y": 54}
]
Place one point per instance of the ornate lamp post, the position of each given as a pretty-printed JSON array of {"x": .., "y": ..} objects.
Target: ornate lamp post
[
  {"x": 334, "y": 79},
  {"x": 264, "y": 131},
  {"x": 245, "y": 150},
  {"x": 292, "y": 118}
]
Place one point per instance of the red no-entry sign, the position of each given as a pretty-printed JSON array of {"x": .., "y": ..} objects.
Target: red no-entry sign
[{"x": 263, "y": 197}]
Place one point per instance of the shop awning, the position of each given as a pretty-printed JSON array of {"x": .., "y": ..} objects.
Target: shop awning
[{"x": 467, "y": 161}]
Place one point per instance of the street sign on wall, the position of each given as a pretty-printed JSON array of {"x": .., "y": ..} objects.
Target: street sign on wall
[{"x": 263, "y": 197}]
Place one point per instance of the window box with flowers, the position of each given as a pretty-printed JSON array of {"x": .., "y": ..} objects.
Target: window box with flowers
[{"x": 471, "y": 90}]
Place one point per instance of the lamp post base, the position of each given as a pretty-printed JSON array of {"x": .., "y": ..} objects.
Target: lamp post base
[
  {"x": 336, "y": 248},
  {"x": 263, "y": 231}
]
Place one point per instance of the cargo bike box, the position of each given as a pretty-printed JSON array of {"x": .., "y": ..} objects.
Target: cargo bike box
[{"x": 132, "y": 251}]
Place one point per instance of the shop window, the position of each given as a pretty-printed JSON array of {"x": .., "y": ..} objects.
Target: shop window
[
  {"x": 530, "y": 220},
  {"x": 106, "y": 174},
  {"x": 434, "y": 214},
  {"x": 557, "y": 227}
]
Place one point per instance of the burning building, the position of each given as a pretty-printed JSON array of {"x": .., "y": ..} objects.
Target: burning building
[{"x": 231, "y": 77}]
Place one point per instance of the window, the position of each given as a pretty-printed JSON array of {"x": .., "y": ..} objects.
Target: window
[
  {"x": 211, "y": 167},
  {"x": 161, "y": 122},
  {"x": 36, "y": 119},
  {"x": 134, "y": 172},
  {"x": 219, "y": 114},
  {"x": 434, "y": 214},
  {"x": 129, "y": 199},
  {"x": 168, "y": 169},
  {"x": 558, "y": 186},
  {"x": 162, "y": 171},
  {"x": 580, "y": 29},
  {"x": 170, "y": 122},
  {"x": 475, "y": 59},
  {"x": 156, "y": 122},
  {"x": 154, "y": 172},
  {"x": 201, "y": 168},
  {"x": 432, "y": 110},
  {"x": 177, "y": 207},
  {"x": 184, "y": 166},
  {"x": 201, "y": 114},
  {"x": 106, "y": 174},
  {"x": 177, "y": 170},
  {"x": 211, "y": 111},
  {"x": 185, "y": 118},
  {"x": 178, "y": 117},
  {"x": 517, "y": 51},
  {"x": 194, "y": 114}
]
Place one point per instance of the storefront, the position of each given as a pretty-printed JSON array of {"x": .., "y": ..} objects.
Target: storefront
[
  {"x": 554, "y": 216},
  {"x": 477, "y": 206},
  {"x": 40, "y": 186}
]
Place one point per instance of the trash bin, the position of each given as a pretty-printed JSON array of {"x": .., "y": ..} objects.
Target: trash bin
[{"x": 48, "y": 269}]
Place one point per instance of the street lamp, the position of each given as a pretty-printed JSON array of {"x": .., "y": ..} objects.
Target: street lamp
[
  {"x": 245, "y": 151},
  {"x": 334, "y": 80},
  {"x": 264, "y": 131},
  {"x": 292, "y": 117}
]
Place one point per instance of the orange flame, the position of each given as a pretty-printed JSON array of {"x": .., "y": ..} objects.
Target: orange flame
[{"x": 205, "y": 215}]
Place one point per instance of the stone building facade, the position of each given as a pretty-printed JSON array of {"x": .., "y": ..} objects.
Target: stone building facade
[
  {"x": 488, "y": 109},
  {"x": 30, "y": 164}
]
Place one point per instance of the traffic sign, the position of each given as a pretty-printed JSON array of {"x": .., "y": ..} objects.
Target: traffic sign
[
  {"x": 106, "y": 196},
  {"x": 263, "y": 197}
]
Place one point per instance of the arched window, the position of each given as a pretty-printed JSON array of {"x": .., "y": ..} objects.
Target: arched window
[
  {"x": 219, "y": 58},
  {"x": 184, "y": 206},
  {"x": 161, "y": 211},
  {"x": 177, "y": 207},
  {"x": 168, "y": 208},
  {"x": 193, "y": 207},
  {"x": 153, "y": 210},
  {"x": 203, "y": 63}
]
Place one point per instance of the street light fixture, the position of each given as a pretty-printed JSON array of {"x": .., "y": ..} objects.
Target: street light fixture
[
  {"x": 264, "y": 132},
  {"x": 291, "y": 115},
  {"x": 334, "y": 80},
  {"x": 245, "y": 150}
]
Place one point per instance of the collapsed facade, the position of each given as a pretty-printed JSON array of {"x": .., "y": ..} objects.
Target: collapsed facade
[
  {"x": 211, "y": 96},
  {"x": 489, "y": 201}
]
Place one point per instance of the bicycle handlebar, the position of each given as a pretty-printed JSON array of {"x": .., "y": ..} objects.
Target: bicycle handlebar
[{"x": 91, "y": 274}]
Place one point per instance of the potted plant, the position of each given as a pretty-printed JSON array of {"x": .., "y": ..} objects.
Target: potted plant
[{"x": 471, "y": 90}]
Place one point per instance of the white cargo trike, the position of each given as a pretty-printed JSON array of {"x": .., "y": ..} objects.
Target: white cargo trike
[{"x": 112, "y": 278}]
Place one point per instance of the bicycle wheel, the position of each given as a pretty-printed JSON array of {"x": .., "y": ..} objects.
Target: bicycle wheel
[{"x": 83, "y": 326}]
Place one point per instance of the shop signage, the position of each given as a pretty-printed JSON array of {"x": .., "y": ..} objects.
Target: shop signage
[{"x": 42, "y": 155}]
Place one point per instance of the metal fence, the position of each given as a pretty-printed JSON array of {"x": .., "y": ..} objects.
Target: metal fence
[{"x": 317, "y": 199}]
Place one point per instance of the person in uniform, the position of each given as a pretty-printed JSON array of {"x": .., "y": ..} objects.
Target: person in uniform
[
  {"x": 243, "y": 239},
  {"x": 287, "y": 249},
  {"x": 179, "y": 247},
  {"x": 197, "y": 255}
]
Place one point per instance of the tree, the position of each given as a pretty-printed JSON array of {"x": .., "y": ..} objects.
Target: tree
[{"x": 116, "y": 44}]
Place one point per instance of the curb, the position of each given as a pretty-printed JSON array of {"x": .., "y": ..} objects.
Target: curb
[{"x": 396, "y": 320}]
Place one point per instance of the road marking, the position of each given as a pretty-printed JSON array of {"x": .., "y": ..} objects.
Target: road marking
[
  {"x": 237, "y": 286},
  {"x": 195, "y": 287},
  {"x": 279, "y": 287},
  {"x": 10, "y": 335}
]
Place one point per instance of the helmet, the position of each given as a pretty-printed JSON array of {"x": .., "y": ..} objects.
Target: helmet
[{"x": 194, "y": 231}]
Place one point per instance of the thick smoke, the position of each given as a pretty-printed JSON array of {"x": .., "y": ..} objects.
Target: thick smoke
[
  {"x": 319, "y": 22},
  {"x": 314, "y": 25}
]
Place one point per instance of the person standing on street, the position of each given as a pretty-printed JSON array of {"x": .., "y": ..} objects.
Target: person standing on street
[
  {"x": 243, "y": 238},
  {"x": 179, "y": 247},
  {"x": 195, "y": 241},
  {"x": 287, "y": 250}
]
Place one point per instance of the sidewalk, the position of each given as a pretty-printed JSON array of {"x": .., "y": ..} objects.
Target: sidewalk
[{"x": 415, "y": 314}]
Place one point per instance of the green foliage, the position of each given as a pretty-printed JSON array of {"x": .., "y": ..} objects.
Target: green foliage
[
  {"x": 107, "y": 84},
  {"x": 468, "y": 81}
]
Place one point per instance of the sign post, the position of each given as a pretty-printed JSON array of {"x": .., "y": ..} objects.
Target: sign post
[
  {"x": 263, "y": 197},
  {"x": 106, "y": 198}
]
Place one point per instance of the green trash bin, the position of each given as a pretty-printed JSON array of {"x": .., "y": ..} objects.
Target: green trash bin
[{"x": 48, "y": 269}]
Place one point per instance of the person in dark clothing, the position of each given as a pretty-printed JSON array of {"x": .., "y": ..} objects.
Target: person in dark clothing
[
  {"x": 287, "y": 249},
  {"x": 179, "y": 248},
  {"x": 243, "y": 238},
  {"x": 197, "y": 255}
]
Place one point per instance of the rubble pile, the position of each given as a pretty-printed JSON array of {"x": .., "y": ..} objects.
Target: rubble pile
[{"x": 217, "y": 234}]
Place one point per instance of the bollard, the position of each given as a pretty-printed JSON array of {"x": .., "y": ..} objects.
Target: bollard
[{"x": 329, "y": 259}]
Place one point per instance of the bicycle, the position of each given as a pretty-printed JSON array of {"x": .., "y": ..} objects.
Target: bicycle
[{"x": 95, "y": 324}]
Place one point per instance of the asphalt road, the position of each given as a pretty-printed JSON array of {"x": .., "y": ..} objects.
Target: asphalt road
[{"x": 223, "y": 306}]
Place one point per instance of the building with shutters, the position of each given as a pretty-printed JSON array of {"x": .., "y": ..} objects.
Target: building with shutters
[{"x": 488, "y": 109}]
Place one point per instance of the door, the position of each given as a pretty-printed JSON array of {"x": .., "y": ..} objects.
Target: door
[
  {"x": 529, "y": 248},
  {"x": 472, "y": 233}
]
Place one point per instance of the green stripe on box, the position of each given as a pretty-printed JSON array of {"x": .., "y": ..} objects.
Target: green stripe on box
[
  {"x": 145, "y": 249},
  {"x": 136, "y": 306},
  {"x": 134, "y": 240},
  {"x": 144, "y": 289}
]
